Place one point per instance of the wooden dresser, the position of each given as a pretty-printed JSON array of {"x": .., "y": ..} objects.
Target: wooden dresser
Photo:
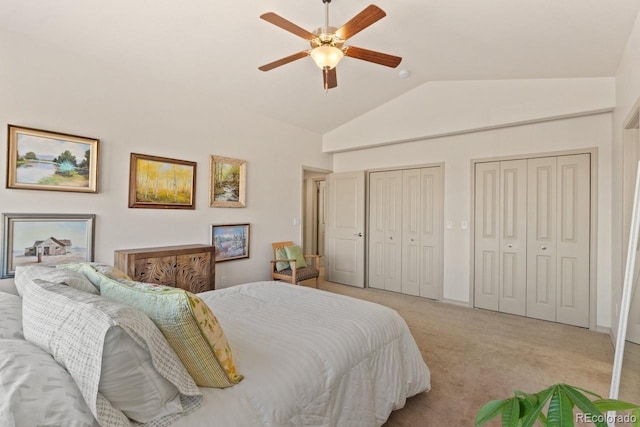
[{"x": 190, "y": 267}]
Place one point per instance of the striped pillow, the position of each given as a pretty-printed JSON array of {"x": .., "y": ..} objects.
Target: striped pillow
[{"x": 188, "y": 325}]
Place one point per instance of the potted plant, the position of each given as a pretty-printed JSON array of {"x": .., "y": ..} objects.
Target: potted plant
[{"x": 524, "y": 409}]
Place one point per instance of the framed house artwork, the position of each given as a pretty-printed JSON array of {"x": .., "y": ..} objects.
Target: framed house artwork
[
  {"x": 46, "y": 239},
  {"x": 44, "y": 160},
  {"x": 161, "y": 183},
  {"x": 228, "y": 182},
  {"x": 231, "y": 241}
]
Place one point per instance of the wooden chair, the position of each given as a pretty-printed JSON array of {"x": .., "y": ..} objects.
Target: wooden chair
[{"x": 293, "y": 274}]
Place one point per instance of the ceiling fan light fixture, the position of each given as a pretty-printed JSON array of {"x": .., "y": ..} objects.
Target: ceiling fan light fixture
[{"x": 326, "y": 57}]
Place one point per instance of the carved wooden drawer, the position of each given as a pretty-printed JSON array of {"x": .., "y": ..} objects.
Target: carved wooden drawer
[{"x": 190, "y": 267}]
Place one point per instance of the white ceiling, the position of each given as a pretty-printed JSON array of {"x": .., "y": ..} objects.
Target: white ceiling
[{"x": 213, "y": 48}]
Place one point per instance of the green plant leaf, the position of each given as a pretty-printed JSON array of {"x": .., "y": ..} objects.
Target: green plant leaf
[
  {"x": 583, "y": 403},
  {"x": 511, "y": 413},
  {"x": 584, "y": 390},
  {"x": 542, "y": 396},
  {"x": 560, "y": 412},
  {"x": 490, "y": 410},
  {"x": 614, "y": 405},
  {"x": 636, "y": 413}
]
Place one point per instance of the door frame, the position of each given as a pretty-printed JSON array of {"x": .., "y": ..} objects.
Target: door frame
[
  {"x": 368, "y": 172},
  {"x": 303, "y": 199},
  {"x": 593, "y": 229}
]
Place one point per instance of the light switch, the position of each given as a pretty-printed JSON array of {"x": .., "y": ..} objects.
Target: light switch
[
  {"x": 296, "y": 221},
  {"x": 464, "y": 225},
  {"x": 449, "y": 225}
]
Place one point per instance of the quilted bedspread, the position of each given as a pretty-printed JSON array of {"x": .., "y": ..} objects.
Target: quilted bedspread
[{"x": 310, "y": 357}]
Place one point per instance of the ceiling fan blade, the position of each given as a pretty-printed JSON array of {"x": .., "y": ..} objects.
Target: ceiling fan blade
[
  {"x": 372, "y": 56},
  {"x": 368, "y": 16},
  {"x": 279, "y": 21},
  {"x": 283, "y": 61},
  {"x": 330, "y": 78}
]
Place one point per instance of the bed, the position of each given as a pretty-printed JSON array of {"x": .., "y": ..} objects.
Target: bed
[{"x": 308, "y": 357}]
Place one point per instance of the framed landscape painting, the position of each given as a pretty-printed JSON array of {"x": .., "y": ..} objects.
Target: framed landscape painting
[
  {"x": 46, "y": 239},
  {"x": 231, "y": 241},
  {"x": 43, "y": 160},
  {"x": 228, "y": 182},
  {"x": 161, "y": 183}
]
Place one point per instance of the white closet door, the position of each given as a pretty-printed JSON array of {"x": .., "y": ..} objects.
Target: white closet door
[
  {"x": 513, "y": 239},
  {"x": 541, "y": 238},
  {"x": 431, "y": 201},
  {"x": 385, "y": 233},
  {"x": 487, "y": 235},
  {"x": 376, "y": 229},
  {"x": 574, "y": 207},
  {"x": 393, "y": 231},
  {"x": 411, "y": 226}
]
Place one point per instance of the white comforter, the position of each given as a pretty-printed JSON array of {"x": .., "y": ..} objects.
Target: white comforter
[{"x": 310, "y": 358}]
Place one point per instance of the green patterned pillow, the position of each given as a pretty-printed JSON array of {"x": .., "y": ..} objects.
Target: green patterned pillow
[
  {"x": 186, "y": 322},
  {"x": 281, "y": 254},
  {"x": 295, "y": 252}
]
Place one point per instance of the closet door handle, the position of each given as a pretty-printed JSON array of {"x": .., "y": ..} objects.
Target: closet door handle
[
  {"x": 358, "y": 234},
  {"x": 509, "y": 245},
  {"x": 544, "y": 248}
]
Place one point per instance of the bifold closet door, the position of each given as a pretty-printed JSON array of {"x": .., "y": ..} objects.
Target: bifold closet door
[
  {"x": 487, "y": 235},
  {"x": 573, "y": 239},
  {"x": 500, "y": 236},
  {"x": 422, "y": 203},
  {"x": 513, "y": 239},
  {"x": 385, "y": 233},
  {"x": 541, "y": 238}
]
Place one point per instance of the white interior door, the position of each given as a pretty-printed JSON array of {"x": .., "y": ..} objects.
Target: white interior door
[
  {"x": 487, "y": 235},
  {"x": 345, "y": 222},
  {"x": 541, "y": 238},
  {"x": 573, "y": 239},
  {"x": 421, "y": 232},
  {"x": 630, "y": 165},
  {"x": 376, "y": 234},
  {"x": 513, "y": 239}
]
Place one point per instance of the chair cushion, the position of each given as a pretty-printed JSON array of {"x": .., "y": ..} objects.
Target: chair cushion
[
  {"x": 295, "y": 252},
  {"x": 281, "y": 253},
  {"x": 304, "y": 273}
]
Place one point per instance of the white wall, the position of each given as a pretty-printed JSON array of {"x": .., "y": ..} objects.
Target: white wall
[
  {"x": 627, "y": 92},
  {"x": 445, "y": 108},
  {"x": 54, "y": 90},
  {"x": 456, "y": 153}
]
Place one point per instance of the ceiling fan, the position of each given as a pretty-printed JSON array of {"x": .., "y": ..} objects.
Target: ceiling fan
[{"x": 327, "y": 43}]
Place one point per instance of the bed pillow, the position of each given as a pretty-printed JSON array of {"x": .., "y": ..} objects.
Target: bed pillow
[
  {"x": 295, "y": 252},
  {"x": 27, "y": 273},
  {"x": 10, "y": 316},
  {"x": 188, "y": 324},
  {"x": 74, "y": 327},
  {"x": 87, "y": 268},
  {"x": 37, "y": 391},
  {"x": 281, "y": 253}
]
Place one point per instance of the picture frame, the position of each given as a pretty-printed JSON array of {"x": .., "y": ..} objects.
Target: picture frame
[
  {"x": 161, "y": 182},
  {"x": 44, "y": 160},
  {"x": 231, "y": 241},
  {"x": 227, "y": 182},
  {"x": 46, "y": 239}
]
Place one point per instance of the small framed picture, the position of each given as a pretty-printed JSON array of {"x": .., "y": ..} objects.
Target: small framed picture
[
  {"x": 228, "y": 182},
  {"x": 46, "y": 239},
  {"x": 161, "y": 183},
  {"x": 231, "y": 241},
  {"x": 43, "y": 160}
]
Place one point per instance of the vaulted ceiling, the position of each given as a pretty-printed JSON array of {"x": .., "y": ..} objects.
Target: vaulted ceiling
[{"x": 213, "y": 48}]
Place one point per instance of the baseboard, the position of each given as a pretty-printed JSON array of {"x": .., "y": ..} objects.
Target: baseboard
[
  {"x": 456, "y": 302},
  {"x": 604, "y": 330}
]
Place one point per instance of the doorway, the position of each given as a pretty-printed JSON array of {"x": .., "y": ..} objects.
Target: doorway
[{"x": 313, "y": 211}]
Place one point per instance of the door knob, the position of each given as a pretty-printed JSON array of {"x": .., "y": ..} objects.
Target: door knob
[
  {"x": 544, "y": 248},
  {"x": 358, "y": 234},
  {"x": 412, "y": 240},
  {"x": 509, "y": 245},
  {"x": 390, "y": 237}
]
